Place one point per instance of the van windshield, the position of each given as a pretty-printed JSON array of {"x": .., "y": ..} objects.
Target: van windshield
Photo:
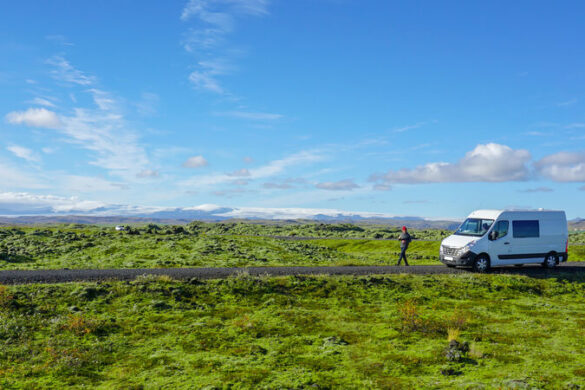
[{"x": 474, "y": 227}]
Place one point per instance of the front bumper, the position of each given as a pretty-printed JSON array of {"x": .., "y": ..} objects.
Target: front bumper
[{"x": 466, "y": 259}]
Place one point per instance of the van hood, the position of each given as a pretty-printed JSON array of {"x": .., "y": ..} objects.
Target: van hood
[{"x": 457, "y": 241}]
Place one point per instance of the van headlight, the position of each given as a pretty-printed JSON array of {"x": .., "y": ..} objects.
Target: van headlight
[{"x": 466, "y": 248}]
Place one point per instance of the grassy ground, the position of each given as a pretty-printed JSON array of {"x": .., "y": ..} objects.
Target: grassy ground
[
  {"x": 93, "y": 247},
  {"x": 296, "y": 332}
]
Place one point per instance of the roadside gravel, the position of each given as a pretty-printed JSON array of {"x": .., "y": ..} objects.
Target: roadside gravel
[{"x": 76, "y": 275}]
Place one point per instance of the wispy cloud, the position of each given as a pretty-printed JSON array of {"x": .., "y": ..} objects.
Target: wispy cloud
[
  {"x": 24, "y": 153},
  {"x": 42, "y": 102},
  {"x": 101, "y": 129},
  {"x": 15, "y": 178},
  {"x": 567, "y": 103},
  {"x": 255, "y": 116},
  {"x": 536, "y": 190},
  {"x": 148, "y": 104},
  {"x": 285, "y": 184},
  {"x": 412, "y": 127},
  {"x": 340, "y": 185},
  {"x": 244, "y": 172},
  {"x": 89, "y": 184},
  {"x": 575, "y": 125},
  {"x": 64, "y": 71},
  {"x": 213, "y": 21},
  {"x": 382, "y": 187},
  {"x": 147, "y": 173},
  {"x": 273, "y": 168},
  {"x": 59, "y": 39}
]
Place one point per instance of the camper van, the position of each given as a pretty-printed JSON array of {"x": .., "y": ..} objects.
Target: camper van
[{"x": 490, "y": 238}]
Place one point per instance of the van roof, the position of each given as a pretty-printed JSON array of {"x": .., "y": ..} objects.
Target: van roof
[{"x": 494, "y": 214}]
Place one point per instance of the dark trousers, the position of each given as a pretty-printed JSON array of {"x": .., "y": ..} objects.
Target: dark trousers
[{"x": 402, "y": 256}]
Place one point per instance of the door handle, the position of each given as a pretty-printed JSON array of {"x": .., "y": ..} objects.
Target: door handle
[{"x": 506, "y": 243}]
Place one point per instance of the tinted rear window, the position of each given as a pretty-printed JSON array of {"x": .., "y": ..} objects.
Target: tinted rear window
[{"x": 524, "y": 229}]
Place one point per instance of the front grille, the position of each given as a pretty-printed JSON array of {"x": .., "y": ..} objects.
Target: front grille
[{"x": 449, "y": 251}]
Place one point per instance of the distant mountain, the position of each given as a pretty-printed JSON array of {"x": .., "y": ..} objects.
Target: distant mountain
[
  {"x": 577, "y": 224},
  {"x": 211, "y": 213}
]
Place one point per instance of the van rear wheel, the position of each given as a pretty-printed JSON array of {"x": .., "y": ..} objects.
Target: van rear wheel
[
  {"x": 481, "y": 264},
  {"x": 550, "y": 261}
]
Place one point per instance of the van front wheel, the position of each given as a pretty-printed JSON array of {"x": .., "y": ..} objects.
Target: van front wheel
[
  {"x": 550, "y": 261},
  {"x": 481, "y": 264}
]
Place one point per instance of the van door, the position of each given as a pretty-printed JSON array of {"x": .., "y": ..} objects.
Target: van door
[
  {"x": 499, "y": 243},
  {"x": 526, "y": 242}
]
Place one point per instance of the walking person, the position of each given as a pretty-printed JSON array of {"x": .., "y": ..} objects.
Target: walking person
[{"x": 404, "y": 241}]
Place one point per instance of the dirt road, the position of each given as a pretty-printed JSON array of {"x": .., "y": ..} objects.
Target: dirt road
[{"x": 70, "y": 275}]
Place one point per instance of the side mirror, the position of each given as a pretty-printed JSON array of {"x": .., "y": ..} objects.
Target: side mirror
[{"x": 493, "y": 235}]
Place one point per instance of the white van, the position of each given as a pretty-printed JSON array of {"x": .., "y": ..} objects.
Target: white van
[{"x": 489, "y": 238}]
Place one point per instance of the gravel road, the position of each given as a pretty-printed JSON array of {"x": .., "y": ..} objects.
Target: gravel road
[{"x": 76, "y": 275}]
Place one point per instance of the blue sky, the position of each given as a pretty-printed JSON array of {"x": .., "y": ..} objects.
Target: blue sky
[{"x": 404, "y": 108}]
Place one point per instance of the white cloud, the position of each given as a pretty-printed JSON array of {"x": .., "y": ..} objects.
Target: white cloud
[
  {"x": 64, "y": 71},
  {"x": 486, "y": 163},
  {"x": 256, "y": 116},
  {"x": 195, "y": 162},
  {"x": 341, "y": 185},
  {"x": 24, "y": 153},
  {"x": 294, "y": 213},
  {"x": 248, "y": 160},
  {"x": 22, "y": 203},
  {"x": 35, "y": 117},
  {"x": 563, "y": 167}
]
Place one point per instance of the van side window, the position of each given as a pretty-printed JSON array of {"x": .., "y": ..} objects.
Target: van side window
[
  {"x": 525, "y": 229},
  {"x": 502, "y": 228}
]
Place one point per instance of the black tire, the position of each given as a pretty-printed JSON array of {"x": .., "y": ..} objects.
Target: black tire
[
  {"x": 551, "y": 260},
  {"x": 518, "y": 265},
  {"x": 481, "y": 264},
  {"x": 450, "y": 265}
]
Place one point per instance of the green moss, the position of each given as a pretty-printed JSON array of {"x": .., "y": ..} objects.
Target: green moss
[{"x": 294, "y": 332}]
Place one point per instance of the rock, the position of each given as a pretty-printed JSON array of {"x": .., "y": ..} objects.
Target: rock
[
  {"x": 160, "y": 305},
  {"x": 334, "y": 340},
  {"x": 456, "y": 351}
]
